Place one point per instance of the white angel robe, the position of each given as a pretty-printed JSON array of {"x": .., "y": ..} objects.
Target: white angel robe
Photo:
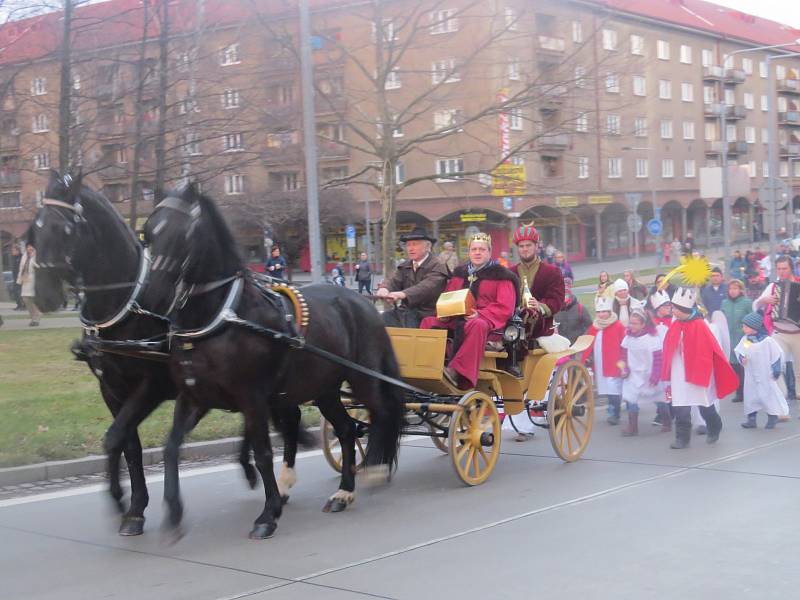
[
  {"x": 636, "y": 386},
  {"x": 761, "y": 391}
]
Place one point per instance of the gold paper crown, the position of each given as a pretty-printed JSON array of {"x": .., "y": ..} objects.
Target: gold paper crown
[{"x": 481, "y": 237}]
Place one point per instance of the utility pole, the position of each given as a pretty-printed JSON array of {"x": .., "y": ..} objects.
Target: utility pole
[{"x": 310, "y": 143}]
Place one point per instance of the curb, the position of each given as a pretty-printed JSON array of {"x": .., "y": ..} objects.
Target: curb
[{"x": 59, "y": 469}]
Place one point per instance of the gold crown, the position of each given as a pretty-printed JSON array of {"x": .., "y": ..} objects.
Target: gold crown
[{"x": 481, "y": 237}]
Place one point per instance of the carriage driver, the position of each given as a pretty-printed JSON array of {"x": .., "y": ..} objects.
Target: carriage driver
[
  {"x": 495, "y": 290},
  {"x": 417, "y": 282},
  {"x": 545, "y": 281}
]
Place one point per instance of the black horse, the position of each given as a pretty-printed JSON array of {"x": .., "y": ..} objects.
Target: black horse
[
  {"x": 79, "y": 233},
  {"x": 224, "y": 357}
]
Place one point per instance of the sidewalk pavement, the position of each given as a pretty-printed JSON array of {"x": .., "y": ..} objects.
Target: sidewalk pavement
[{"x": 19, "y": 319}]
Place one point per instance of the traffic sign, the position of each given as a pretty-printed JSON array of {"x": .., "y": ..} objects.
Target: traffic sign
[
  {"x": 765, "y": 191},
  {"x": 350, "y": 233},
  {"x": 655, "y": 226},
  {"x": 634, "y": 223},
  {"x": 508, "y": 203},
  {"x": 633, "y": 198}
]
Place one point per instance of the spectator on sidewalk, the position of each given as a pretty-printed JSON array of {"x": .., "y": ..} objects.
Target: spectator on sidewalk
[
  {"x": 738, "y": 266},
  {"x": 448, "y": 256},
  {"x": 677, "y": 247},
  {"x": 276, "y": 265},
  {"x": 714, "y": 292},
  {"x": 604, "y": 287},
  {"x": 364, "y": 274},
  {"x": 573, "y": 319},
  {"x": 635, "y": 289},
  {"x": 27, "y": 282},
  {"x": 735, "y": 307},
  {"x": 16, "y": 261},
  {"x": 562, "y": 264}
]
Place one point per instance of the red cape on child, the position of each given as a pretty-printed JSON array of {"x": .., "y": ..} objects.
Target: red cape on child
[
  {"x": 612, "y": 347},
  {"x": 701, "y": 355}
]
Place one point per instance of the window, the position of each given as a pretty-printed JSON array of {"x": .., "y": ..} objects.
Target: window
[
  {"x": 662, "y": 50},
  {"x": 580, "y": 76},
  {"x": 609, "y": 39},
  {"x": 689, "y": 168},
  {"x": 783, "y": 169},
  {"x": 709, "y": 94},
  {"x": 637, "y": 45},
  {"x": 41, "y": 161},
  {"x": 230, "y": 99},
  {"x": 686, "y": 54},
  {"x": 730, "y": 97},
  {"x": 762, "y": 69},
  {"x": 639, "y": 85},
  {"x": 229, "y": 55},
  {"x": 513, "y": 69},
  {"x": 582, "y": 122},
  {"x": 392, "y": 80},
  {"x": 747, "y": 66},
  {"x": 387, "y": 29},
  {"x": 748, "y": 100},
  {"x": 729, "y": 62},
  {"x": 780, "y": 72},
  {"x": 443, "y": 21},
  {"x": 449, "y": 169},
  {"x": 707, "y": 57},
  {"x": 518, "y": 160},
  {"x": 764, "y": 103},
  {"x": 447, "y": 118},
  {"x": 782, "y": 104},
  {"x": 765, "y": 169},
  {"x": 612, "y": 83},
  {"x": 577, "y": 32},
  {"x": 121, "y": 155},
  {"x": 515, "y": 119},
  {"x": 285, "y": 94},
  {"x": 687, "y": 92},
  {"x": 76, "y": 81},
  {"x": 511, "y": 18},
  {"x": 613, "y": 126},
  {"x": 40, "y": 123},
  {"x": 191, "y": 145},
  {"x": 730, "y": 131},
  {"x": 39, "y": 86},
  {"x": 688, "y": 130},
  {"x": 641, "y": 167},
  {"x": 234, "y": 184},
  {"x": 640, "y": 127},
  {"x": 664, "y": 89},
  {"x": 400, "y": 172},
  {"x": 667, "y": 168},
  {"x": 583, "y": 167},
  {"x": 764, "y": 135},
  {"x": 184, "y": 61},
  {"x": 233, "y": 142},
  {"x": 614, "y": 168},
  {"x": 710, "y": 132},
  {"x": 666, "y": 129},
  {"x": 12, "y": 200},
  {"x": 750, "y": 134},
  {"x": 444, "y": 71}
]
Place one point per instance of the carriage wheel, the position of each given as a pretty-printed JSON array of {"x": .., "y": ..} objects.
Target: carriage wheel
[
  {"x": 442, "y": 419},
  {"x": 570, "y": 410},
  {"x": 474, "y": 438},
  {"x": 331, "y": 448}
]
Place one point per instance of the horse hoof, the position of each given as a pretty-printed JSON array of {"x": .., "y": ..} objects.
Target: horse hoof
[
  {"x": 263, "y": 531},
  {"x": 334, "y": 505},
  {"x": 284, "y": 499},
  {"x": 131, "y": 526}
]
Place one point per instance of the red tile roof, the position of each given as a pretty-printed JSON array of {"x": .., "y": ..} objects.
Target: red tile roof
[{"x": 115, "y": 22}]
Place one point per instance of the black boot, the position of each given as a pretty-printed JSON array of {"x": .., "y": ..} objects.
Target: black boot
[
  {"x": 713, "y": 423},
  {"x": 771, "y": 421},
  {"x": 751, "y": 421},
  {"x": 683, "y": 433},
  {"x": 613, "y": 410},
  {"x": 666, "y": 417}
]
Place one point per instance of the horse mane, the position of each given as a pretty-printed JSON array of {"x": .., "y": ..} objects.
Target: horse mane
[
  {"x": 108, "y": 216},
  {"x": 214, "y": 218}
]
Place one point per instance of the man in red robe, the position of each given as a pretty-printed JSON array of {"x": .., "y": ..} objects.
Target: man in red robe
[
  {"x": 545, "y": 281},
  {"x": 495, "y": 290}
]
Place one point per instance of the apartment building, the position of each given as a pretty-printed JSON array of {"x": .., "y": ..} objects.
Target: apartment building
[{"x": 596, "y": 100}]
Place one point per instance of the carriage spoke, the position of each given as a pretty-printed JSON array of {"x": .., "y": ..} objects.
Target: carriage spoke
[
  {"x": 568, "y": 435},
  {"x": 579, "y": 394},
  {"x": 483, "y": 454},
  {"x": 470, "y": 459},
  {"x": 461, "y": 452}
]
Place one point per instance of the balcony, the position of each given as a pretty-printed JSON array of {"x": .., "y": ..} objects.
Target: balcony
[
  {"x": 111, "y": 171},
  {"x": 790, "y": 149},
  {"x": 111, "y": 129},
  {"x": 735, "y": 112},
  {"x": 551, "y": 44},
  {"x": 329, "y": 104},
  {"x": 283, "y": 155},
  {"x": 108, "y": 91},
  {"x": 735, "y": 76},
  {"x": 553, "y": 142},
  {"x": 9, "y": 177},
  {"x": 9, "y": 141},
  {"x": 332, "y": 150},
  {"x": 789, "y": 86},
  {"x": 734, "y": 148},
  {"x": 283, "y": 115},
  {"x": 552, "y": 98},
  {"x": 712, "y": 110},
  {"x": 713, "y": 73},
  {"x": 791, "y": 117}
]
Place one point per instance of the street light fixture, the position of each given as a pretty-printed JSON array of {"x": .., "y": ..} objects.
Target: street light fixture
[{"x": 772, "y": 154}]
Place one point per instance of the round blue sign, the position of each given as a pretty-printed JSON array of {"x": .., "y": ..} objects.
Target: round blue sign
[
  {"x": 350, "y": 231},
  {"x": 655, "y": 226}
]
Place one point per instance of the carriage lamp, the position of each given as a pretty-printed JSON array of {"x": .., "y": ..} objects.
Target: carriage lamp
[{"x": 514, "y": 331}]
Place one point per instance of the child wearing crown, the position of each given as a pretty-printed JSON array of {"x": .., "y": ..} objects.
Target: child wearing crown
[
  {"x": 606, "y": 353},
  {"x": 761, "y": 357}
]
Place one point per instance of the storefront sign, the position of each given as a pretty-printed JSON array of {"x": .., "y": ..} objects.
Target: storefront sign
[
  {"x": 509, "y": 180},
  {"x": 473, "y": 217},
  {"x": 566, "y": 201},
  {"x": 604, "y": 199}
]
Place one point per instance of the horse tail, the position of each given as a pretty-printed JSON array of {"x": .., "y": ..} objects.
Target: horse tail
[{"x": 384, "y": 438}]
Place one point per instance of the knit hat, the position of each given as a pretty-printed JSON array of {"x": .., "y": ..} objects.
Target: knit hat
[
  {"x": 685, "y": 298},
  {"x": 602, "y": 303},
  {"x": 754, "y": 320},
  {"x": 619, "y": 285},
  {"x": 659, "y": 298}
]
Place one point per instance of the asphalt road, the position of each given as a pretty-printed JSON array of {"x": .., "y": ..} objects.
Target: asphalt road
[{"x": 631, "y": 520}]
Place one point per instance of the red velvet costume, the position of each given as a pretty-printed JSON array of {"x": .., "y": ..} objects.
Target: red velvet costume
[
  {"x": 496, "y": 298},
  {"x": 548, "y": 288}
]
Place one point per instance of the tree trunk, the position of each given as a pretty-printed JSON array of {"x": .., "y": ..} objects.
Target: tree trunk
[
  {"x": 163, "y": 65},
  {"x": 389, "y": 217},
  {"x": 65, "y": 96},
  {"x": 136, "y": 188}
]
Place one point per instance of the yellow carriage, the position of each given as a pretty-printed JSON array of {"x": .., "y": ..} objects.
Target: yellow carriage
[{"x": 466, "y": 424}]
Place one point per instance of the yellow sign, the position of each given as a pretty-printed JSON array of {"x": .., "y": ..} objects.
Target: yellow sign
[
  {"x": 509, "y": 180},
  {"x": 566, "y": 201},
  {"x": 473, "y": 217},
  {"x": 600, "y": 199}
]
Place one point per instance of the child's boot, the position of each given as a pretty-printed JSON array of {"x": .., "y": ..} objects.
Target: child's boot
[
  {"x": 751, "y": 421},
  {"x": 771, "y": 421},
  {"x": 633, "y": 423},
  {"x": 666, "y": 417}
]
